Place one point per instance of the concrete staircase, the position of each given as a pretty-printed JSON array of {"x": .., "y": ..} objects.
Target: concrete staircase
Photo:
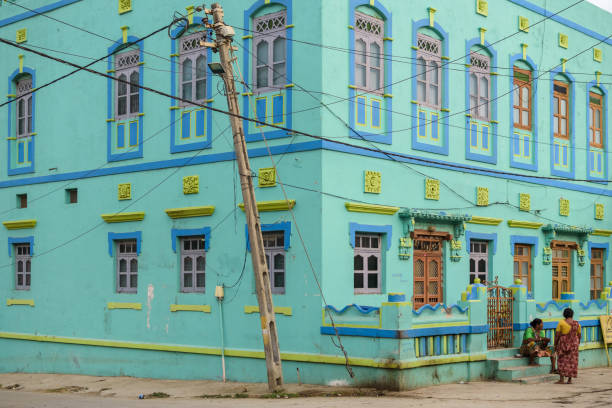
[{"x": 502, "y": 365}]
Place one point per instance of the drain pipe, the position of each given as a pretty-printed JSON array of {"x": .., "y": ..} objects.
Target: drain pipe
[{"x": 219, "y": 295}]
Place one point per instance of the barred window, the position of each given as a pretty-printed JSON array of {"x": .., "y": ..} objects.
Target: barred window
[
  {"x": 24, "y": 107},
  {"x": 270, "y": 51},
  {"x": 367, "y": 263},
  {"x": 193, "y": 264},
  {"x": 127, "y": 99},
  {"x": 369, "y": 48},
  {"x": 193, "y": 68},
  {"x": 429, "y": 71},
  {"x": 23, "y": 266},
  {"x": 274, "y": 247},
  {"x": 127, "y": 266},
  {"x": 480, "y": 86}
]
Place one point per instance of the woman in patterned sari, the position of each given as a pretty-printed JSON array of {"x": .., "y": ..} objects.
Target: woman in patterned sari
[
  {"x": 535, "y": 344},
  {"x": 567, "y": 341}
]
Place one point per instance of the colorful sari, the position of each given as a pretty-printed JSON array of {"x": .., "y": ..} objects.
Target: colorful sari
[
  {"x": 535, "y": 344},
  {"x": 566, "y": 347}
]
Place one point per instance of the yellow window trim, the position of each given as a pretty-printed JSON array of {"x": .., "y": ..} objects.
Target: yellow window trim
[
  {"x": 485, "y": 220},
  {"x": 287, "y": 311},
  {"x": 371, "y": 208},
  {"x": 190, "y": 308},
  {"x": 123, "y": 305},
  {"x": 20, "y": 302},
  {"x": 524, "y": 224},
  {"x": 123, "y": 217},
  {"x": 276, "y": 205},
  {"x": 21, "y": 224},
  {"x": 188, "y": 212}
]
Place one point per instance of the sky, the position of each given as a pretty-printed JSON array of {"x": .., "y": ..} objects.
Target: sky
[{"x": 604, "y": 4}]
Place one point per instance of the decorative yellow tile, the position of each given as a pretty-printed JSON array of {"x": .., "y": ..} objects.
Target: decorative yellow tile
[
  {"x": 22, "y": 35},
  {"x": 191, "y": 184},
  {"x": 125, "y": 6},
  {"x": 599, "y": 211},
  {"x": 482, "y": 196},
  {"x": 564, "y": 207},
  {"x": 482, "y": 7},
  {"x": 563, "y": 40},
  {"x": 267, "y": 177},
  {"x": 524, "y": 24},
  {"x": 432, "y": 189},
  {"x": 597, "y": 54},
  {"x": 524, "y": 202},
  {"x": 372, "y": 182},
  {"x": 124, "y": 191}
]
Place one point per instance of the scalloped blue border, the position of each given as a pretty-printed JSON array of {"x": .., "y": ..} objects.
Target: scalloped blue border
[
  {"x": 360, "y": 309},
  {"x": 438, "y": 306}
]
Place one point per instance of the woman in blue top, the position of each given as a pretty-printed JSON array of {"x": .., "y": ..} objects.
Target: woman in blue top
[{"x": 535, "y": 344}]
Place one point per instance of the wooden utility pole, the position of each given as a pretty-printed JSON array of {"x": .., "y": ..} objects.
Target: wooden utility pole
[{"x": 223, "y": 44}]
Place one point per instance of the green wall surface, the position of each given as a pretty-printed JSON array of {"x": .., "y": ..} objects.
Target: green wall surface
[{"x": 73, "y": 274}]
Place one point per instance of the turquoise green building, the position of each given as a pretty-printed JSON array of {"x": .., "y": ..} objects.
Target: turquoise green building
[{"x": 431, "y": 176}]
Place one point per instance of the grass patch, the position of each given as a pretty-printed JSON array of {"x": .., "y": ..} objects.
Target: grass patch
[{"x": 69, "y": 388}]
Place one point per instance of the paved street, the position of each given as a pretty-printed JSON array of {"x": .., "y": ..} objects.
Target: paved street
[{"x": 593, "y": 389}]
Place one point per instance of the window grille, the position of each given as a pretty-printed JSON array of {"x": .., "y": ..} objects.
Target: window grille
[
  {"x": 193, "y": 264},
  {"x": 597, "y": 272},
  {"x": 522, "y": 264},
  {"x": 595, "y": 120},
  {"x": 369, "y": 49},
  {"x": 270, "y": 52},
  {"x": 479, "y": 261},
  {"x": 193, "y": 68},
  {"x": 127, "y": 266},
  {"x": 427, "y": 272},
  {"x": 560, "y": 110},
  {"x": 367, "y": 263},
  {"x": 274, "y": 248},
  {"x": 522, "y": 98},
  {"x": 24, "y": 107},
  {"x": 480, "y": 87},
  {"x": 23, "y": 266},
  {"x": 127, "y": 92},
  {"x": 429, "y": 71}
]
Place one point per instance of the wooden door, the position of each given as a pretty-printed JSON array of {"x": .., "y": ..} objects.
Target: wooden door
[
  {"x": 561, "y": 267},
  {"x": 522, "y": 264},
  {"x": 427, "y": 271}
]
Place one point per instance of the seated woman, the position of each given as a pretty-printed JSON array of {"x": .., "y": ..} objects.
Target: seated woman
[{"x": 535, "y": 344}]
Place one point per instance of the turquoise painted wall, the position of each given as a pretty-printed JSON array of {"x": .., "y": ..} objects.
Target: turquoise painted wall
[{"x": 73, "y": 275}]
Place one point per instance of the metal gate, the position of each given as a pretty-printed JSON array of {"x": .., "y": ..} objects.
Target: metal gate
[{"x": 499, "y": 315}]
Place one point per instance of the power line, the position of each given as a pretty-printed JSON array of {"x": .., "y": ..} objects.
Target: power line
[
  {"x": 376, "y": 150},
  {"x": 79, "y": 68},
  {"x": 393, "y": 57}
]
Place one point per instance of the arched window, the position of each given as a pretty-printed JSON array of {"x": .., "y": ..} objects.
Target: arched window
[
  {"x": 24, "y": 106},
  {"x": 595, "y": 118},
  {"x": 522, "y": 97},
  {"x": 369, "y": 69},
  {"x": 270, "y": 51},
  {"x": 480, "y": 86},
  {"x": 127, "y": 95},
  {"x": 429, "y": 73},
  {"x": 192, "y": 68}
]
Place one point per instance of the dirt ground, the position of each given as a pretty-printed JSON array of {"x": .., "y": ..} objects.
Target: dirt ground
[{"x": 593, "y": 388}]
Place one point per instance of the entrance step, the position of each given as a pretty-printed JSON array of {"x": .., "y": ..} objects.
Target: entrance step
[
  {"x": 504, "y": 366},
  {"x": 537, "y": 379},
  {"x": 502, "y": 352}
]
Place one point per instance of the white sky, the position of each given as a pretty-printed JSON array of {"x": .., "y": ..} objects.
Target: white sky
[{"x": 604, "y": 4}]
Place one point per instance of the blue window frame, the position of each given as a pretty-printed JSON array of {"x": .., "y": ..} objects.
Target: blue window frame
[
  {"x": 597, "y": 122},
  {"x": 430, "y": 95},
  {"x": 125, "y": 101},
  {"x": 268, "y": 58},
  {"x": 191, "y": 79},
  {"x": 21, "y": 121},
  {"x": 523, "y": 154}
]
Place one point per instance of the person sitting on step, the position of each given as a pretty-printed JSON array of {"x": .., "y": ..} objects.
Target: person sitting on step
[{"x": 535, "y": 344}]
